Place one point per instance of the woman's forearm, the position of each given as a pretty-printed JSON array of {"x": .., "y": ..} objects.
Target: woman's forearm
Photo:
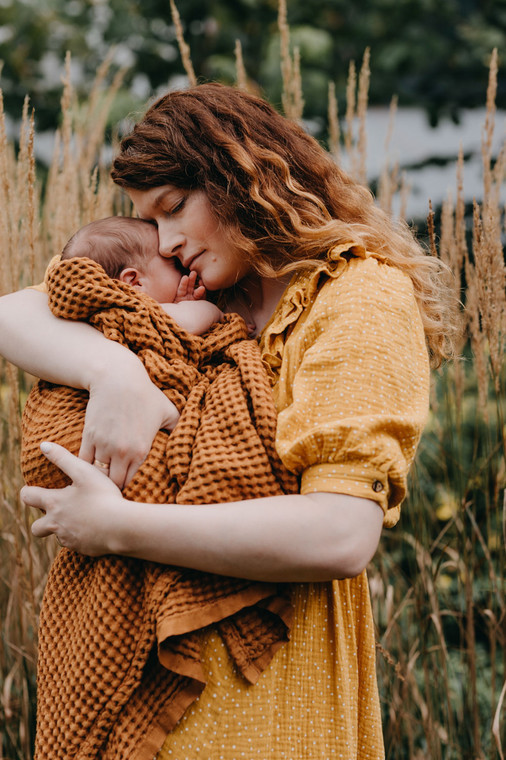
[
  {"x": 125, "y": 409},
  {"x": 282, "y": 538},
  {"x": 293, "y": 537},
  {"x": 60, "y": 351}
]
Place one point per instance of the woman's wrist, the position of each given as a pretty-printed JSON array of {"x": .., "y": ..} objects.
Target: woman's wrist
[{"x": 112, "y": 364}]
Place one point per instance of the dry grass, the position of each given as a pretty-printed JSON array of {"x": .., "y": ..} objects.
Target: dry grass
[
  {"x": 437, "y": 583},
  {"x": 183, "y": 46},
  {"x": 77, "y": 190},
  {"x": 292, "y": 98}
]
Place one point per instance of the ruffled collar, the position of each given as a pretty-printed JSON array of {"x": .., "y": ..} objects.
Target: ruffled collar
[{"x": 298, "y": 294}]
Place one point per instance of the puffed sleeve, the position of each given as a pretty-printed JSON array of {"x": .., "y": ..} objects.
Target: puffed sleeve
[{"x": 353, "y": 387}]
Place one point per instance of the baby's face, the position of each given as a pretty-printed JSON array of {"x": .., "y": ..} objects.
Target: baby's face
[{"x": 160, "y": 278}]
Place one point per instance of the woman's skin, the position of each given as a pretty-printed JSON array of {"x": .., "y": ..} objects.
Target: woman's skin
[
  {"x": 312, "y": 537},
  {"x": 75, "y": 354}
]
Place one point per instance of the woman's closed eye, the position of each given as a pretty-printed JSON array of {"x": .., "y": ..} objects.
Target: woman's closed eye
[{"x": 174, "y": 208}]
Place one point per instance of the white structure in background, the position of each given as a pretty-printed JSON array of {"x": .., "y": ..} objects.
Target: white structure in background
[{"x": 413, "y": 143}]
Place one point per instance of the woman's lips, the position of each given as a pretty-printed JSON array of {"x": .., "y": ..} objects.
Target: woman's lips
[{"x": 192, "y": 261}]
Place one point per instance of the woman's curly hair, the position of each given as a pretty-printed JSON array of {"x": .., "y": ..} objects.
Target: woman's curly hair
[{"x": 277, "y": 193}]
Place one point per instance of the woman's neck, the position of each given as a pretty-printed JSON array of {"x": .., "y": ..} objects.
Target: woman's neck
[{"x": 256, "y": 298}]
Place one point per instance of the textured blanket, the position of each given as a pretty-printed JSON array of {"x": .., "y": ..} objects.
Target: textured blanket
[{"x": 119, "y": 652}]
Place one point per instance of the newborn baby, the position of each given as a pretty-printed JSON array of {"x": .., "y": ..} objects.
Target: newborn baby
[{"x": 127, "y": 250}]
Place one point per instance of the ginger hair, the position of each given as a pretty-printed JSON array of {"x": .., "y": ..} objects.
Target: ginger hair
[
  {"x": 115, "y": 243},
  {"x": 276, "y": 192}
]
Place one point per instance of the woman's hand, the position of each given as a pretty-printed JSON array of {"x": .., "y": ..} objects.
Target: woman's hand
[
  {"x": 125, "y": 410},
  {"x": 83, "y": 516},
  {"x": 124, "y": 413},
  {"x": 293, "y": 537}
]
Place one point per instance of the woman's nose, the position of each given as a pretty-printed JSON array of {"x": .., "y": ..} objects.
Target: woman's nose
[{"x": 170, "y": 241}]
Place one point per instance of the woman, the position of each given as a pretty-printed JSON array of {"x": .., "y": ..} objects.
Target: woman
[{"x": 348, "y": 309}]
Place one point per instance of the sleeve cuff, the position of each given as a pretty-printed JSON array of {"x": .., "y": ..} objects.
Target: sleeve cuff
[{"x": 370, "y": 483}]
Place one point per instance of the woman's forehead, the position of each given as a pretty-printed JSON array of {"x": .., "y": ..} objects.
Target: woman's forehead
[{"x": 153, "y": 196}]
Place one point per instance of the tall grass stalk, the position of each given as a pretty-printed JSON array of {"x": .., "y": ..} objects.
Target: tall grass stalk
[
  {"x": 442, "y": 570},
  {"x": 242, "y": 77},
  {"x": 437, "y": 583},
  {"x": 183, "y": 45},
  {"x": 292, "y": 98},
  {"x": 34, "y": 225}
]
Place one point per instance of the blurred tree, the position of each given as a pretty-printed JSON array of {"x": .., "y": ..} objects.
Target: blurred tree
[{"x": 432, "y": 54}]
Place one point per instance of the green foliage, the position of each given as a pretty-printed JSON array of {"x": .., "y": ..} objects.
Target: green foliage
[
  {"x": 432, "y": 54},
  {"x": 443, "y": 635}
]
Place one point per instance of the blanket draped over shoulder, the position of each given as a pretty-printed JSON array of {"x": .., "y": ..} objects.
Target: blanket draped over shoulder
[{"x": 119, "y": 656}]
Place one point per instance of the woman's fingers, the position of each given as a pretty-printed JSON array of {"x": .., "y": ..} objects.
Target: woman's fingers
[
  {"x": 124, "y": 413},
  {"x": 44, "y": 526},
  {"x": 87, "y": 450},
  {"x": 129, "y": 438},
  {"x": 109, "y": 445},
  {"x": 122, "y": 470},
  {"x": 83, "y": 515},
  {"x": 43, "y": 499},
  {"x": 35, "y": 497},
  {"x": 120, "y": 465},
  {"x": 64, "y": 460}
]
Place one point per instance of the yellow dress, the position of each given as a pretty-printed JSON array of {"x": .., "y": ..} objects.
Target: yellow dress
[{"x": 346, "y": 353}]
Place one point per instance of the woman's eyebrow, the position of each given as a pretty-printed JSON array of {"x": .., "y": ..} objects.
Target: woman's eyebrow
[{"x": 161, "y": 195}]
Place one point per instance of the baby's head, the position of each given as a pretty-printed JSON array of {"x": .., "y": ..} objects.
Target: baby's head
[{"x": 127, "y": 250}]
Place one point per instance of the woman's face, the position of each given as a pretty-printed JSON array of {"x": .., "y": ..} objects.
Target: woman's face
[{"x": 188, "y": 229}]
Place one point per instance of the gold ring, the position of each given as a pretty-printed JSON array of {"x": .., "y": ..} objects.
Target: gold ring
[{"x": 102, "y": 465}]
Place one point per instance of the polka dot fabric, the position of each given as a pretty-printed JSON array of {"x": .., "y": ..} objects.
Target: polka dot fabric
[
  {"x": 351, "y": 380},
  {"x": 347, "y": 358},
  {"x": 317, "y": 699}
]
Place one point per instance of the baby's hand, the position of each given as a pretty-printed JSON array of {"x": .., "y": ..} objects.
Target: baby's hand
[{"x": 187, "y": 291}]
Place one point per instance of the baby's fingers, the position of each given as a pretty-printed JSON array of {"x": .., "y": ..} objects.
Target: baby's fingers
[
  {"x": 182, "y": 289},
  {"x": 199, "y": 293}
]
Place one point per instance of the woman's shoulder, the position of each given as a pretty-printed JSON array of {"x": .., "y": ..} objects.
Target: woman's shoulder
[
  {"x": 372, "y": 277},
  {"x": 343, "y": 290},
  {"x": 351, "y": 280},
  {"x": 346, "y": 274}
]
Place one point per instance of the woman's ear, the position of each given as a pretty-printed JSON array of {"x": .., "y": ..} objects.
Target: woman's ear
[{"x": 131, "y": 276}]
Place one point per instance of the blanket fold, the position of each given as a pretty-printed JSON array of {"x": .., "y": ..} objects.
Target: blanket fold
[{"x": 119, "y": 639}]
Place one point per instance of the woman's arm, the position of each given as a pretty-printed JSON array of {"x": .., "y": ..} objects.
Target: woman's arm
[
  {"x": 50, "y": 348},
  {"x": 279, "y": 538},
  {"x": 75, "y": 354}
]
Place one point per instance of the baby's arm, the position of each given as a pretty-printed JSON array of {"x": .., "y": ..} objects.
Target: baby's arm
[
  {"x": 195, "y": 317},
  {"x": 190, "y": 309}
]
